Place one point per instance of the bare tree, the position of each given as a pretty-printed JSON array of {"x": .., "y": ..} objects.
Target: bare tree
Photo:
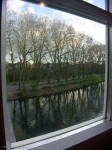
[
  {"x": 23, "y": 45},
  {"x": 38, "y": 41},
  {"x": 11, "y": 42},
  {"x": 57, "y": 46}
]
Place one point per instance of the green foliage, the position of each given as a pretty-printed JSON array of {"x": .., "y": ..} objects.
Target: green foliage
[
  {"x": 22, "y": 93},
  {"x": 34, "y": 84},
  {"x": 96, "y": 78},
  {"x": 47, "y": 87}
]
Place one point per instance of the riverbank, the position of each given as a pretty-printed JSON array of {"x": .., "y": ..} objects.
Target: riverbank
[{"x": 56, "y": 88}]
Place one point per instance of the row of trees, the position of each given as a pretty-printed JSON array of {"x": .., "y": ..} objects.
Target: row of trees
[{"x": 42, "y": 49}]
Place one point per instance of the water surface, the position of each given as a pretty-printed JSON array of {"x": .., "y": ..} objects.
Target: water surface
[{"x": 40, "y": 115}]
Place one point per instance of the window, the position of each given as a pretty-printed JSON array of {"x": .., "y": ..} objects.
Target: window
[
  {"x": 55, "y": 70},
  {"x": 48, "y": 89}
]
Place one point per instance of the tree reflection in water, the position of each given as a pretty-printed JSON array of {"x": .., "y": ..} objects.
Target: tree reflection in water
[{"x": 39, "y": 115}]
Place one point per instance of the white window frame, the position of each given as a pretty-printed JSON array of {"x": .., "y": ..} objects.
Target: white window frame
[{"x": 91, "y": 129}]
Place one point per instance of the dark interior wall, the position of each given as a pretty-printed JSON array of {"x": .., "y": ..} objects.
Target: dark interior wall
[{"x": 100, "y": 142}]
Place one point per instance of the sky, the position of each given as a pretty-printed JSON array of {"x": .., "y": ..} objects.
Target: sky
[
  {"x": 94, "y": 29},
  {"x": 99, "y": 3}
]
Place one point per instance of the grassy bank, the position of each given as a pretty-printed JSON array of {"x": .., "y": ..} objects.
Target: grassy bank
[
  {"x": 82, "y": 81},
  {"x": 58, "y": 87}
]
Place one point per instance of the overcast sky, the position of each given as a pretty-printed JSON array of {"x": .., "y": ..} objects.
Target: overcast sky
[{"x": 96, "y": 30}]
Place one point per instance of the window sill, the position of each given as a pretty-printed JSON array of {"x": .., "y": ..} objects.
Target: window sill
[{"x": 69, "y": 139}]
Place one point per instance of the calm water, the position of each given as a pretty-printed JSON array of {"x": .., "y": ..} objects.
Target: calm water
[{"x": 39, "y": 115}]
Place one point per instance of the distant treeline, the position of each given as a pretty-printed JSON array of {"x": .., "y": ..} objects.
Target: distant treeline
[{"x": 40, "y": 49}]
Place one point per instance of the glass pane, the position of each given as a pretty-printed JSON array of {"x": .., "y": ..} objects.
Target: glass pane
[
  {"x": 98, "y": 3},
  {"x": 55, "y": 67}
]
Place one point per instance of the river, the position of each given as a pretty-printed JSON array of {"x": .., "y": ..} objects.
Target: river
[{"x": 36, "y": 116}]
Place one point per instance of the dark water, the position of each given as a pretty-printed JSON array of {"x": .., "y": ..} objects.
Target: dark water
[{"x": 39, "y": 115}]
